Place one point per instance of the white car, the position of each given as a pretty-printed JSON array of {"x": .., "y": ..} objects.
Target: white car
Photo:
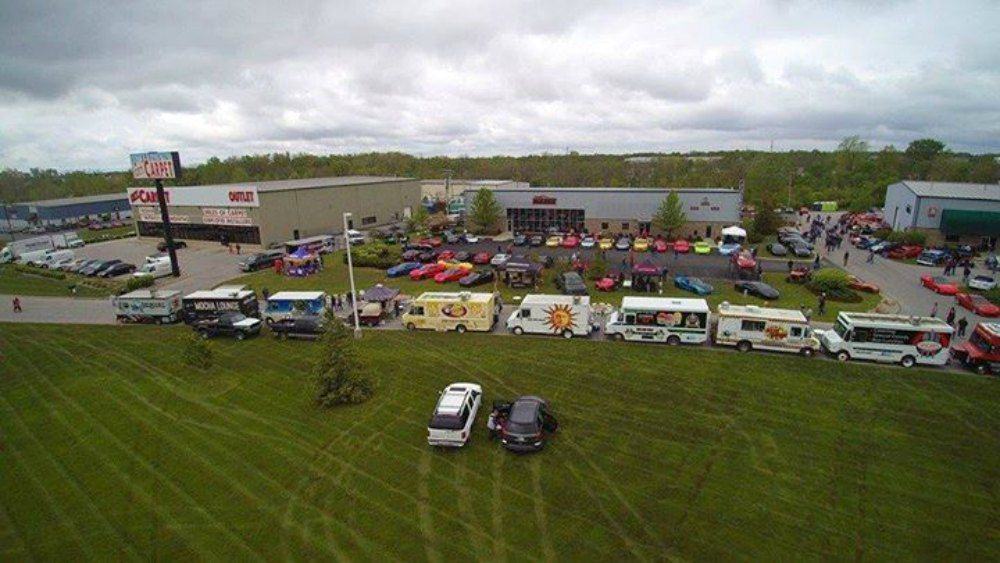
[
  {"x": 499, "y": 259},
  {"x": 588, "y": 242},
  {"x": 454, "y": 415},
  {"x": 61, "y": 263},
  {"x": 982, "y": 282},
  {"x": 355, "y": 237},
  {"x": 471, "y": 238}
]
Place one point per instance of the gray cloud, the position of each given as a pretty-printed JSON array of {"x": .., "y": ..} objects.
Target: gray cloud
[{"x": 82, "y": 84}]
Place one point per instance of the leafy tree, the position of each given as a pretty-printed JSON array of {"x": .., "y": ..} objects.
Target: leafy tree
[
  {"x": 670, "y": 215},
  {"x": 766, "y": 221},
  {"x": 485, "y": 211},
  {"x": 418, "y": 219},
  {"x": 338, "y": 373},
  {"x": 851, "y": 152},
  {"x": 924, "y": 149},
  {"x": 598, "y": 267}
]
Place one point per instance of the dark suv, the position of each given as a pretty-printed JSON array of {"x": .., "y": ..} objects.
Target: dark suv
[
  {"x": 309, "y": 328},
  {"x": 528, "y": 425},
  {"x": 260, "y": 260},
  {"x": 571, "y": 283}
]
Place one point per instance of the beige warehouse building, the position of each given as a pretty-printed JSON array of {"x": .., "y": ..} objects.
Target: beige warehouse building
[{"x": 265, "y": 213}]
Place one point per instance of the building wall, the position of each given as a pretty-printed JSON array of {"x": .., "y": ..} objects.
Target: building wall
[
  {"x": 900, "y": 206},
  {"x": 435, "y": 189},
  {"x": 930, "y": 209}
]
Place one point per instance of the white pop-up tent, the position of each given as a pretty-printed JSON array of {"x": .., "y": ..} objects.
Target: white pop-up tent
[{"x": 734, "y": 232}]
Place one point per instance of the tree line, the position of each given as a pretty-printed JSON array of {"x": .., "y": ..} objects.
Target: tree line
[{"x": 853, "y": 174}]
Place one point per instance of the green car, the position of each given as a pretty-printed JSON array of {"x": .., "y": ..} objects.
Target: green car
[{"x": 702, "y": 247}]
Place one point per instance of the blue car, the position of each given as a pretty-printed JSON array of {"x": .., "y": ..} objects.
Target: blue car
[
  {"x": 692, "y": 284},
  {"x": 729, "y": 248},
  {"x": 402, "y": 269}
]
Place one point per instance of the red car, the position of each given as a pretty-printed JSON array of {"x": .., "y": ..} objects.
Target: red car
[
  {"x": 859, "y": 284},
  {"x": 660, "y": 245},
  {"x": 978, "y": 305},
  {"x": 939, "y": 284},
  {"x": 481, "y": 258},
  {"x": 451, "y": 274},
  {"x": 605, "y": 284},
  {"x": 904, "y": 252},
  {"x": 427, "y": 271},
  {"x": 432, "y": 241},
  {"x": 682, "y": 246},
  {"x": 570, "y": 241},
  {"x": 446, "y": 255}
]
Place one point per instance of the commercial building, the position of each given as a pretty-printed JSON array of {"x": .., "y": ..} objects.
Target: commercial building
[
  {"x": 945, "y": 211},
  {"x": 267, "y": 213},
  {"x": 445, "y": 190},
  {"x": 629, "y": 210},
  {"x": 65, "y": 210}
]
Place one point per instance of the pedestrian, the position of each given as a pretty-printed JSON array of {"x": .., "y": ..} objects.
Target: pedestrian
[
  {"x": 966, "y": 272},
  {"x": 266, "y": 293},
  {"x": 847, "y": 255},
  {"x": 871, "y": 257},
  {"x": 816, "y": 263},
  {"x": 950, "y": 318},
  {"x": 790, "y": 265},
  {"x": 962, "y": 324},
  {"x": 753, "y": 252},
  {"x": 822, "y": 303},
  {"x": 808, "y": 313},
  {"x": 17, "y": 304},
  {"x": 238, "y": 248},
  {"x": 934, "y": 309}
]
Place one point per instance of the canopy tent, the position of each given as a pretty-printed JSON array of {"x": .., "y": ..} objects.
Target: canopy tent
[
  {"x": 646, "y": 268},
  {"x": 521, "y": 273},
  {"x": 301, "y": 263},
  {"x": 380, "y": 293},
  {"x": 644, "y": 276},
  {"x": 734, "y": 231}
]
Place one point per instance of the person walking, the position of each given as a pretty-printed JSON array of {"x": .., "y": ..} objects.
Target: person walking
[
  {"x": 822, "y": 303},
  {"x": 816, "y": 263},
  {"x": 790, "y": 265},
  {"x": 966, "y": 272},
  {"x": 847, "y": 255},
  {"x": 934, "y": 309},
  {"x": 871, "y": 257},
  {"x": 950, "y": 317},
  {"x": 16, "y": 303},
  {"x": 962, "y": 324},
  {"x": 239, "y": 248}
]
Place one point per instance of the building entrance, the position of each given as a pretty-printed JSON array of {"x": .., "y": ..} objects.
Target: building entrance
[{"x": 535, "y": 220}]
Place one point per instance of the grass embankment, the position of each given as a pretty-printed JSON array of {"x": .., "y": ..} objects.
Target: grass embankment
[
  {"x": 88, "y": 236},
  {"x": 113, "y": 449},
  {"x": 334, "y": 279},
  {"x": 14, "y": 282}
]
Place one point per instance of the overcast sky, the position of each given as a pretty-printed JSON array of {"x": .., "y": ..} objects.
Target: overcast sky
[{"x": 82, "y": 84}]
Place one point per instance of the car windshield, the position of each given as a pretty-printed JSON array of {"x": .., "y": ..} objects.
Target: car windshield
[
  {"x": 236, "y": 318},
  {"x": 840, "y": 328},
  {"x": 446, "y": 422}
]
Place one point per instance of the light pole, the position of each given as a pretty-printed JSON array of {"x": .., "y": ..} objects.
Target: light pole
[{"x": 350, "y": 273}]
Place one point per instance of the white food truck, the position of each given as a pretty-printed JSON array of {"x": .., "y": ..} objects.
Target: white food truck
[
  {"x": 292, "y": 304},
  {"x": 565, "y": 315},
  {"x": 888, "y": 338},
  {"x": 748, "y": 327},
  {"x": 660, "y": 319},
  {"x": 145, "y": 306}
]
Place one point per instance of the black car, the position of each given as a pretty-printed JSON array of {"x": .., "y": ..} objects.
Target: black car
[
  {"x": 260, "y": 260},
  {"x": 309, "y": 327},
  {"x": 419, "y": 247},
  {"x": 162, "y": 245},
  {"x": 528, "y": 425},
  {"x": 536, "y": 240},
  {"x": 520, "y": 240},
  {"x": 118, "y": 269},
  {"x": 760, "y": 289},
  {"x": 237, "y": 325},
  {"x": 801, "y": 250},
  {"x": 103, "y": 267},
  {"x": 571, "y": 283},
  {"x": 478, "y": 277}
]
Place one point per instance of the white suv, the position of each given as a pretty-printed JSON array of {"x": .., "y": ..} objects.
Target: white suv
[{"x": 451, "y": 424}]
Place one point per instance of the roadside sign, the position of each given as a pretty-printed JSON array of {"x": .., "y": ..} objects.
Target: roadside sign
[{"x": 156, "y": 165}]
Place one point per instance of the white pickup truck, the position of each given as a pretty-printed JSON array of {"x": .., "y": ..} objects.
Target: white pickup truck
[{"x": 451, "y": 424}]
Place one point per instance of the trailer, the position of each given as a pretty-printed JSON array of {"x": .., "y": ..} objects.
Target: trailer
[
  {"x": 18, "y": 248},
  {"x": 209, "y": 304},
  {"x": 564, "y": 315},
  {"x": 146, "y": 306},
  {"x": 292, "y": 304},
  {"x": 660, "y": 319},
  {"x": 461, "y": 311},
  {"x": 749, "y": 327}
]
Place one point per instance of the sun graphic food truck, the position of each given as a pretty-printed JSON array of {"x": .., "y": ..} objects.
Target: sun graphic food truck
[
  {"x": 660, "y": 319},
  {"x": 565, "y": 315},
  {"x": 459, "y": 311},
  {"x": 751, "y": 327},
  {"x": 888, "y": 338}
]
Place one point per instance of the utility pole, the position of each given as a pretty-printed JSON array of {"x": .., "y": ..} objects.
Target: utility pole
[{"x": 350, "y": 273}]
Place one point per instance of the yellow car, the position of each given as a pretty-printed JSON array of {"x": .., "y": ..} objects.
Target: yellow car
[
  {"x": 605, "y": 243},
  {"x": 553, "y": 241},
  {"x": 640, "y": 244},
  {"x": 702, "y": 247}
]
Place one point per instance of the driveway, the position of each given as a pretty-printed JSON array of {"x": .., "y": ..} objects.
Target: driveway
[{"x": 61, "y": 310}]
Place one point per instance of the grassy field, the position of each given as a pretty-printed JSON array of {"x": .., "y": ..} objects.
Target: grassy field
[
  {"x": 111, "y": 449},
  {"x": 334, "y": 279},
  {"x": 13, "y": 282}
]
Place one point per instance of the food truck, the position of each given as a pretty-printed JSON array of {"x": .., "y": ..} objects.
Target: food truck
[
  {"x": 458, "y": 311},
  {"x": 565, "y": 315},
  {"x": 749, "y": 327},
  {"x": 211, "y": 303},
  {"x": 292, "y": 304},
  {"x": 660, "y": 319},
  {"x": 147, "y": 306},
  {"x": 888, "y": 338},
  {"x": 981, "y": 353}
]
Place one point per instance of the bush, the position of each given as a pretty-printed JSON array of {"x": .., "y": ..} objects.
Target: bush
[
  {"x": 598, "y": 267},
  {"x": 994, "y": 295},
  {"x": 197, "y": 352},
  {"x": 834, "y": 283},
  {"x": 140, "y": 282},
  {"x": 882, "y": 234},
  {"x": 339, "y": 374},
  {"x": 908, "y": 237},
  {"x": 374, "y": 255}
]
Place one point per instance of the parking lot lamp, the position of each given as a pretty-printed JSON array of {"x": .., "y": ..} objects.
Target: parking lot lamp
[{"x": 350, "y": 273}]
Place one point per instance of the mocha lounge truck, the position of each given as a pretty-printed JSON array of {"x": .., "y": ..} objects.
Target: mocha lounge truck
[
  {"x": 888, "y": 338},
  {"x": 209, "y": 304}
]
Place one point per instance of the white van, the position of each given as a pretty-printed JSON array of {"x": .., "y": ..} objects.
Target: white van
[
  {"x": 355, "y": 237},
  {"x": 749, "y": 327},
  {"x": 34, "y": 258},
  {"x": 56, "y": 256},
  {"x": 157, "y": 269},
  {"x": 888, "y": 338},
  {"x": 565, "y": 315}
]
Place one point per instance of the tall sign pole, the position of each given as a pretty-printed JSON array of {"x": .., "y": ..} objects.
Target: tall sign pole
[{"x": 158, "y": 166}]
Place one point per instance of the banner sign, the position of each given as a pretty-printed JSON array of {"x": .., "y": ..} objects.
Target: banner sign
[
  {"x": 194, "y": 196},
  {"x": 543, "y": 200},
  {"x": 225, "y": 216},
  {"x": 156, "y": 165},
  {"x": 152, "y": 215}
]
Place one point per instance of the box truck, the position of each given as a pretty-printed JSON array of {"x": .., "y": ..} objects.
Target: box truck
[
  {"x": 660, "y": 319},
  {"x": 146, "y": 306},
  {"x": 749, "y": 327},
  {"x": 211, "y": 303},
  {"x": 292, "y": 304},
  {"x": 18, "y": 248},
  {"x": 459, "y": 311},
  {"x": 564, "y": 315}
]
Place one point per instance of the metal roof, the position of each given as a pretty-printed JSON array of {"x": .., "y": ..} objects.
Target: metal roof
[
  {"x": 954, "y": 190},
  {"x": 727, "y": 309},
  {"x": 76, "y": 200},
  {"x": 296, "y": 296},
  {"x": 542, "y": 190},
  {"x": 665, "y": 303},
  {"x": 306, "y": 183}
]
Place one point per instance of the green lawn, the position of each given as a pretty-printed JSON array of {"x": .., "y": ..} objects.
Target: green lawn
[
  {"x": 111, "y": 449},
  {"x": 334, "y": 279},
  {"x": 13, "y": 282},
  {"x": 88, "y": 236}
]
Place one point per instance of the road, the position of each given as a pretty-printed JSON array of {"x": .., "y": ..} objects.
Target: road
[{"x": 62, "y": 310}]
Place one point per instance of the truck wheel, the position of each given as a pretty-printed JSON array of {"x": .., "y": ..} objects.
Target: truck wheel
[
  {"x": 982, "y": 369},
  {"x": 843, "y": 356},
  {"x": 158, "y": 320},
  {"x": 567, "y": 334},
  {"x": 411, "y": 326},
  {"x": 807, "y": 352},
  {"x": 907, "y": 361},
  {"x": 240, "y": 335},
  {"x": 460, "y": 329},
  {"x": 744, "y": 346},
  {"x": 268, "y": 321},
  {"x": 619, "y": 337},
  {"x": 673, "y": 340},
  {"x": 518, "y": 330}
]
